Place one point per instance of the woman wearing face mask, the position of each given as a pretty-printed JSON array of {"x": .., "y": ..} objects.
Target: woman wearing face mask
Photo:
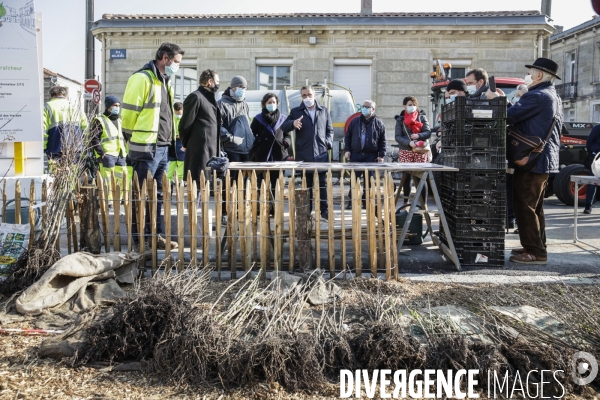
[
  {"x": 108, "y": 142},
  {"x": 412, "y": 127},
  {"x": 271, "y": 143}
]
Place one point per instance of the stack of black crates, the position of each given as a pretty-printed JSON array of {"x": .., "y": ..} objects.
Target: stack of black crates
[{"x": 474, "y": 199}]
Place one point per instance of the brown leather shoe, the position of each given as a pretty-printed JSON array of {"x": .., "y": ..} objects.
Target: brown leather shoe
[
  {"x": 518, "y": 251},
  {"x": 527, "y": 258},
  {"x": 161, "y": 243}
]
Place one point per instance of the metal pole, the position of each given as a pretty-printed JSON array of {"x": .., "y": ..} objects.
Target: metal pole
[
  {"x": 89, "y": 51},
  {"x": 546, "y": 10}
]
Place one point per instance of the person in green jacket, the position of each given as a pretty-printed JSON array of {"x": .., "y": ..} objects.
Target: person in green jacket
[{"x": 176, "y": 162}]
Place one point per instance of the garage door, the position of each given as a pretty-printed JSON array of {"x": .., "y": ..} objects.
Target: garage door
[{"x": 356, "y": 78}]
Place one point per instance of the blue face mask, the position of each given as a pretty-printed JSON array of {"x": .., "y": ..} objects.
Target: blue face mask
[
  {"x": 171, "y": 69},
  {"x": 239, "y": 93},
  {"x": 366, "y": 111},
  {"x": 271, "y": 107},
  {"x": 451, "y": 99},
  {"x": 115, "y": 111}
]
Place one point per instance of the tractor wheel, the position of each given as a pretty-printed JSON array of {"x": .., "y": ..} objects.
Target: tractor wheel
[{"x": 565, "y": 189}]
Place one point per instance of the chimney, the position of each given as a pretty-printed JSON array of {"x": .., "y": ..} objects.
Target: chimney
[
  {"x": 366, "y": 7},
  {"x": 558, "y": 29}
]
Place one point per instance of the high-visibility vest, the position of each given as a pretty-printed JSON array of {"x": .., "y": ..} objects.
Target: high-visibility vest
[
  {"x": 111, "y": 139},
  {"x": 59, "y": 116},
  {"x": 141, "y": 113}
]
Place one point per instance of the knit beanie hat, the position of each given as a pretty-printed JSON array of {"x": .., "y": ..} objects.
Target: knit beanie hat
[
  {"x": 238, "y": 81},
  {"x": 457, "y": 84},
  {"x": 110, "y": 100}
]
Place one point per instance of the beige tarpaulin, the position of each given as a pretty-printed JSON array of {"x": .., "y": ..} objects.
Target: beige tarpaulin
[{"x": 71, "y": 275}]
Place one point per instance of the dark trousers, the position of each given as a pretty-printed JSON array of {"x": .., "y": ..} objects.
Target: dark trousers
[
  {"x": 362, "y": 157},
  {"x": 528, "y": 197},
  {"x": 406, "y": 189},
  {"x": 236, "y": 157},
  {"x": 157, "y": 167},
  {"x": 510, "y": 212},
  {"x": 310, "y": 178}
]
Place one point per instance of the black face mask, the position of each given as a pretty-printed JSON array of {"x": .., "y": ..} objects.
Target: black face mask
[{"x": 215, "y": 89}]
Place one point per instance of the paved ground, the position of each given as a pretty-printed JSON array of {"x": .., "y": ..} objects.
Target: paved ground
[{"x": 564, "y": 259}]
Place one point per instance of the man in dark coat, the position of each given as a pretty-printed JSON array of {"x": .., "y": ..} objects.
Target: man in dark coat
[
  {"x": 538, "y": 113},
  {"x": 200, "y": 126},
  {"x": 477, "y": 83},
  {"x": 314, "y": 137},
  {"x": 365, "y": 141}
]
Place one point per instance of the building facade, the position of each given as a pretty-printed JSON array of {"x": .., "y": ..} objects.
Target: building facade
[
  {"x": 74, "y": 89},
  {"x": 384, "y": 57},
  {"x": 577, "y": 52}
]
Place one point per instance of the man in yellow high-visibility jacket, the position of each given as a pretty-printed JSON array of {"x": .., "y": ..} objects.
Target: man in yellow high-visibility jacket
[
  {"x": 109, "y": 144},
  {"x": 176, "y": 163},
  {"x": 61, "y": 119},
  {"x": 148, "y": 124}
]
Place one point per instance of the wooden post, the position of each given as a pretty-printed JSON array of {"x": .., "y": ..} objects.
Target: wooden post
[
  {"x": 292, "y": 223},
  {"x": 142, "y": 222},
  {"x": 388, "y": 220},
  {"x": 193, "y": 217},
  {"x": 71, "y": 211},
  {"x": 241, "y": 214},
  {"x": 32, "y": 216},
  {"x": 218, "y": 215},
  {"x": 18, "y": 202},
  {"x": 152, "y": 203},
  {"x": 331, "y": 235},
  {"x": 317, "y": 197},
  {"x": 205, "y": 222},
  {"x": 379, "y": 209},
  {"x": 254, "y": 186},
  {"x": 127, "y": 205},
  {"x": 180, "y": 222},
  {"x": 67, "y": 219},
  {"x": 278, "y": 227},
  {"x": 264, "y": 230},
  {"x": 116, "y": 190},
  {"x": 343, "y": 221},
  {"x": 167, "y": 196},
  {"x": 231, "y": 219},
  {"x": 4, "y": 202},
  {"x": 248, "y": 226},
  {"x": 372, "y": 228},
  {"x": 394, "y": 239},
  {"x": 304, "y": 229},
  {"x": 101, "y": 195},
  {"x": 89, "y": 226},
  {"x": 106, "y": 183},
  {"x": 44, "y": 207}
]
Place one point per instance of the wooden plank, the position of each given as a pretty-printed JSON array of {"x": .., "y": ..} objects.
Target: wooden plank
[
  {"x": 278, "y": 228},
  {"x": 229, "y": 222},
  {"x": 116, "y": 190},
  {"x": 44, "y": 202},
  {"x": 101, "y": 195},
  {"x": 248, "y": 226},
  {"x": 152, "y": 203},
  {"x": 317, "y": 197},
  {"x": 304, "y": 179},
  {"x": 281, "y": 215},
  {"x": 232, "y": 222},
  {"x": 205, "y": 223},
  {"x": 357, "y": 199},
  {"x": 254, "y": 197},
  {"x": 241, "y": 214},
  {"x": 167, "y": 196},
  {"x": 106, "y": 183},
  {"x": 264, "y": 230},
  {"x": 343, "y": 222},
  {"x": 4, "y": 202},
  {"x": 18, "y": 202},
  {"x": 142, "y": 221},
  {"x": 331, "y": 238},
  {"x": 71, "y": 211},
  {"x": 395, "y": 262},
  {"x": 32, "y": 217},
  {"x": 180, "y": 201},
  {"x": 67, "y": 219},
  {"x": 292, "y": 223},
  {"x": 218, "y": 195},
  {"x": 388, "y": 218},
  {"x": 193, "y": 216},
  {"x": 354, "y": 222},
  {"x": 128, "y": 206},
  {"x": 378, "y": 194},
  {"x": 373, "y": 229}
]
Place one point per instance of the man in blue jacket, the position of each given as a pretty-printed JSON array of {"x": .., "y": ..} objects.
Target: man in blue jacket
[
  {"x": 535, "y": 114},
  {"x": 314, "y": 137}
]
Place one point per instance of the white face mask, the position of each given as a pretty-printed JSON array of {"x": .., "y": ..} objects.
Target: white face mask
[
  {"x": 411, "y": 109},
  {"x": 309, "y": 102},
  {"x": 471, "y": 89},
  {"x": 528, "y": 80}
]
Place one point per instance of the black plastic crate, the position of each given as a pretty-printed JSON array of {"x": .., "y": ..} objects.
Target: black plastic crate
[
  {"x": 462, "y": 108},
  {"x": 476, "y": 180},
  {"x": 471, "y": 158},
  {"x": 476, "y": 228},
  {"x": 468, "y": 251},
  {"x": 477, "y": 208},
  {"x": 488, "y": 135}
]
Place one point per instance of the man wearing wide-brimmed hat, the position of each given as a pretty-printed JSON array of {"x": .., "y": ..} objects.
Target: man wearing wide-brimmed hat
[{"x": 534, "y": 115}]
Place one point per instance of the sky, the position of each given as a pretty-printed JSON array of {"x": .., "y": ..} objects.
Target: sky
[{"x": 64, "y": 20}]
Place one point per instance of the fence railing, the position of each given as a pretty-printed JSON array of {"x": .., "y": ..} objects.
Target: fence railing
[{"x": 237, "y": 225}]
